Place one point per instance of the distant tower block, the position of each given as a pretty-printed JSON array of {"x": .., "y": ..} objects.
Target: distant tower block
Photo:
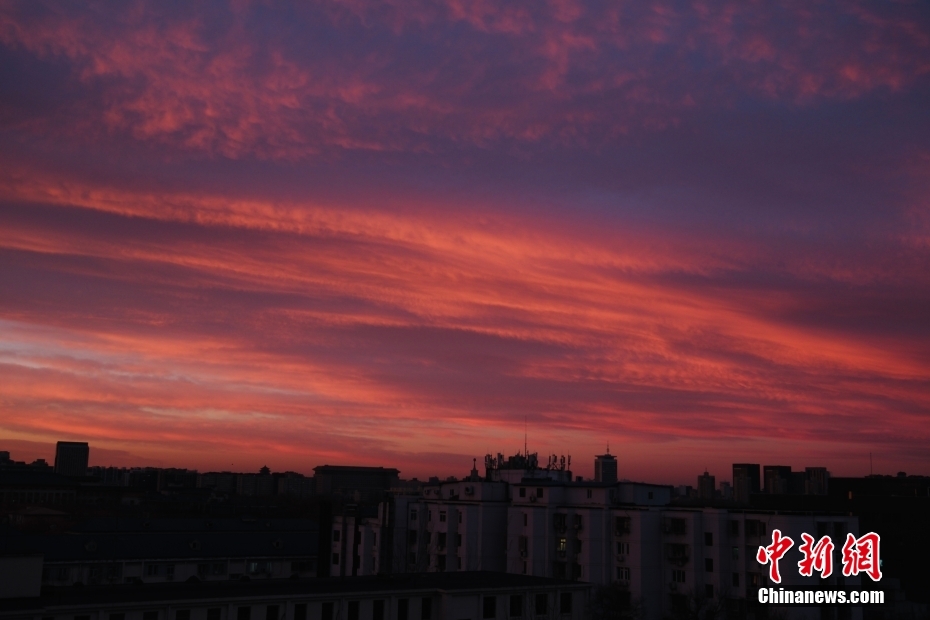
[
  {"x": 605, "y": 467},
  {"x": 71, "y": 458},
  {"x": 706, "y": 486}
]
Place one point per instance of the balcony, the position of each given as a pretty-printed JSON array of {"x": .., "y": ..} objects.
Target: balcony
[
  {"x": 678, "y": 554},
  {"x": 675, "y": 527}
]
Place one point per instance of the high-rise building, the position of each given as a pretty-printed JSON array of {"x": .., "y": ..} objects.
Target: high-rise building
[
  {"x": 818, "y": 481},
  {"x": 605, "y": 468},
  {"x": 706, "y": 486},
  {"x": 777, "y": 479},
  {"x": 745, "y": 481},
  {"x": 71, "y": 458}
]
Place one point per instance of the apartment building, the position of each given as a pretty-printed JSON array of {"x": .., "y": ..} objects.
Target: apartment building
[
  {"x": 475, "y": 596},
  {"x": 153, "y": 552},
  {"x": 586, "y": 531}
]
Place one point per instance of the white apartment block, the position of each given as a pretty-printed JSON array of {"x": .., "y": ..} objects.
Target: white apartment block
[{"x": 622, "y": 533}]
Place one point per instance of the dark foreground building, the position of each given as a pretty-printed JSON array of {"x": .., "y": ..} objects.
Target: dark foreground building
[{"x": 435, "y": 596}]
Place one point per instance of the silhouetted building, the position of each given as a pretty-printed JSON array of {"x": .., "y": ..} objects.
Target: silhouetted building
[
  {"x": 818, "y": 481},
  {"x": 346, "y": 480},
  {"x": 71, "y": 458},
  {"x": 605, "y": 468},
  {"x": 745, "y": 481},
  {"x": 706, "y": 487},
  {"x": 777, "y": 479},
  {"x": 406, "y": 597},
  {"x": 26, "y": 486},
  {"x": 726, "y": 491}
]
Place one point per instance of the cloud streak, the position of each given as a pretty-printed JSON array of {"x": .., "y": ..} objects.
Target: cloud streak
[{"x": 386, "y": 232}]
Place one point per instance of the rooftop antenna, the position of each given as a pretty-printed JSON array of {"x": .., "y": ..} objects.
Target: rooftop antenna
[{"x": 608, "y": 447}]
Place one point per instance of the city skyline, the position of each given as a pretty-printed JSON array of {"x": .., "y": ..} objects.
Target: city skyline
[{"x": 235, "y": 235}]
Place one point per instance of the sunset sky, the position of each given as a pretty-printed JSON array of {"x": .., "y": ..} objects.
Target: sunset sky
[{"x": 388, "y": 232}]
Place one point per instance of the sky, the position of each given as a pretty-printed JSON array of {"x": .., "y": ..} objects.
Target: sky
[{"x": 408, "y": 233}]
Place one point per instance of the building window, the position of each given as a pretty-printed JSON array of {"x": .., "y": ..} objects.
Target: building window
[
  {"x": 755, "y": 527},
  {"x": 709, "y": 565},
  {"x": 412, "y": 537},
  {"x": 539, "y": 492},
  {"x": 403, "y": 605},
  {"x": 336, "y": 535},
  {"x": 735, "y": 580},
  {"x": 623, "y": 573},
  {"x": 709, "y": 590},
  {"x": 562, "y": 545},
  {"x": 621, "y": 525},
  {"x": 542, "y": 600},
  {"x": 526, "y": 519},
  {"x": 327, "y": 612},
  {"x": 271, "y": 612},
  {"x": 412, "y": 558},
  {"x": 442, "y": 539},
  {"x": 590, "y": 493},
  {"x": 522, "y": 491},
  {"x": 650, "y": 494},
  {"x": 460, "y": 516},
  {"x": 413, "y": 514},
  {"x": 523, "y": 544},
  {"x": 335, "y": 558},
  {"x": 709, "y": 539},
  {"x": 516, "y": 605},
  {"x": 426, "y": 609},
  {"x": 459, "y": 562},
  {"x": 524, "y": 567},
  {"x": 353, "y": 610},
  {"x": 185, "y": 614},
  {"x": 678, "y": 576},
  {"x": 734, "y": 528},
  {"x": 489, "y": 607},
  {"x": 152, "y": 570},
  {"x": 442, "y": 563},
  {"x": 565, "y": 603},
  {"x": 442, "y": 516},
  {"x": 458, "y": 540},
  {"x": 735, "y": 553},
  {"x": 377, "y": 610},
  {"x": 429, "y": 515},
  {"x": 623, "y": 548},
  {"x": 243, "y": 613},
  {"x": 300, "y": 611}
]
